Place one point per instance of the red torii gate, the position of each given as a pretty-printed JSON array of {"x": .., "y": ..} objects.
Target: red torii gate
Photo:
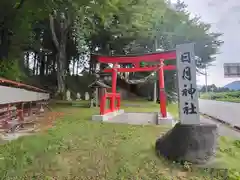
[{"x": 135, "y": 60}]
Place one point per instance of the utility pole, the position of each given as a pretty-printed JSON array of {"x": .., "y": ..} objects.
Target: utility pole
[{"x": 206, "y": 84}]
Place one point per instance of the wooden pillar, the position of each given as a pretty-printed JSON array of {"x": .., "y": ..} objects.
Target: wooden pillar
[
  {"x": 102, "y": 105},
  {"x": 21, "y": 113},
  {"x": 114, "y": 87},
  {"x": 30, "y": 109},
  {"x": 9, "y": 111},
  {"x": 162, "y": 96}
]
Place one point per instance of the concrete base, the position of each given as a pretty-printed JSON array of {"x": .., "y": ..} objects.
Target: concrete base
[
  {"x": 135, "y": 118},
  {"x": 169, "y": 120},
  {"x": 107, "y": 116},
  {"x": 193, "y": 143}
]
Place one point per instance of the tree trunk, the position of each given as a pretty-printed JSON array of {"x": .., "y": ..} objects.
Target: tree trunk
[
  {"x": 68, "y": 62},
  {"x": 61, "y": 59},
  {"x": 4, "y": 45},
  {"x": 47, "y": 65},
  {"x": 54, "y": 66},
  {"x": 93, "y": 65},
  {"x": 34, "y": 63},
  {"x": 42, "y": 64},
  {"x": 38, "y": 65},
  {"x": 61, "y": 68},
  {"x": 73, "y": 68},
  {"x": 27, "y": 61},
  {"x": 78, "y": 64}
]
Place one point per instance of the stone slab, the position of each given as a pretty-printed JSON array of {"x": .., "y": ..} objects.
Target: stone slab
[
  {"x": 136, "y": 118},
  {"x": 107, "y": 116}
]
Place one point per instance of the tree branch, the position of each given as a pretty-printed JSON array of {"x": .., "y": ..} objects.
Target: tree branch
[
  {"x": 54, "y": 37},
  {"x": 68, "y": 24},
  {"x": 20, "y": 4}
]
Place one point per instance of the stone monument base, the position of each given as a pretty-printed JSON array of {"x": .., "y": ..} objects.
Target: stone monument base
[
  {"x": 169, "y": 120},
  {"x": 195, "y": 143}
]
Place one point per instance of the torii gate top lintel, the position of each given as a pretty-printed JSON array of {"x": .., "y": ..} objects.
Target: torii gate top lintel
[{"x": 167, "y": 55}]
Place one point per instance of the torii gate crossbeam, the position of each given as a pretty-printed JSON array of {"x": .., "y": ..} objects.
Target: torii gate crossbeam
[{"x": 167, "y": 55}]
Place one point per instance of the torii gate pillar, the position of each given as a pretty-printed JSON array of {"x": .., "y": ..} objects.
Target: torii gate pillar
[
  {"x": 114, "y": 86},
  {"x": 162, "y": 94}
]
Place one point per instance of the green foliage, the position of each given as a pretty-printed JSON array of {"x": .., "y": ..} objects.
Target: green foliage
[
  {"x": 231, "y": 96},
  {"x": 237, "y": 143},
  {"x": 234, "y": 175},
  {"x": 9, "y": 69},
  {"x": 106, "y": 26},
  {"x": 214, "y": 88},
  {"x": 170, "y": 27},
  {"x": 19, "y": 16}
]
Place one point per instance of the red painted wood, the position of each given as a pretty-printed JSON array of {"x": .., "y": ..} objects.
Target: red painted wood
[
  {"x": 162, "y": 95},
  {"x": 114, "y": 87},
  {"x": 113, "y": 107},
  {"x": 118, "y": 102},
  {"x": 102, "y": 104},
  {"x": 134, "y": 59}
]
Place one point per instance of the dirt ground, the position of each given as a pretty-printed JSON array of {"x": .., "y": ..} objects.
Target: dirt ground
[{"x": 32, "y": 124}]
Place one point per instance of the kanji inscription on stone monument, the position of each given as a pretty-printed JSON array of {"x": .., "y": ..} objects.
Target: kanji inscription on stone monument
[{"x": 187, "y": 87}]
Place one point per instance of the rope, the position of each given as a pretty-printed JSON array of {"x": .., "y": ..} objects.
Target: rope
[
  {"x": 137, "y": 81},
  {"x": 172, "y": 95},
  {"x": 202, "y": 73}
]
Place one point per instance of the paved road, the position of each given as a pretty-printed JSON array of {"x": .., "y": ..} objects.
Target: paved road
[
  {"x": 150, "y": 118},
  {"x": 225, "y": 111},
  {"x": 223, "y": 130}
]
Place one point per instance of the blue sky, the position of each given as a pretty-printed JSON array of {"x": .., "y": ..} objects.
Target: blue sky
[{"x": 224, "y": 16}]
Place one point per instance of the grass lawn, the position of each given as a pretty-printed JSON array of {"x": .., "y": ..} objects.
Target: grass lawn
[{"x": 81, "y": 149}]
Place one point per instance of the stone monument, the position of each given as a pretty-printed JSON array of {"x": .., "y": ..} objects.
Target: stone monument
[
  {"x": 79, "y": 96},
  {"x": 87, "y": 97},
  {"x": 189, "y": 140},
  {"x": 68, "y": 95}
]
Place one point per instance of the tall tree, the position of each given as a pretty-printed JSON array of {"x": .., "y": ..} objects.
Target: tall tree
[{"x": 54, "y": 39}]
